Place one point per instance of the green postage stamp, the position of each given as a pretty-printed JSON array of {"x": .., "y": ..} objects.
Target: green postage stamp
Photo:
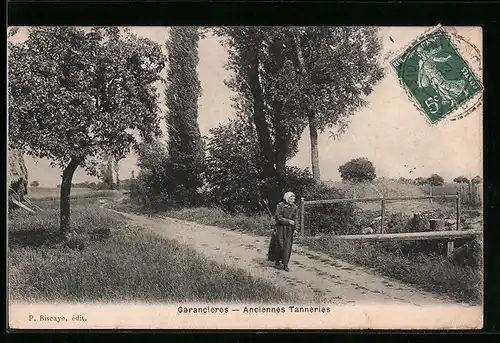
[{"x": 437, "y": 77}]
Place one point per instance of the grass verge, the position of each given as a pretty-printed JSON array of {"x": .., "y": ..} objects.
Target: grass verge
[
  {"x": 116, "y": 262},
  {"x": 433, "y": 273}
]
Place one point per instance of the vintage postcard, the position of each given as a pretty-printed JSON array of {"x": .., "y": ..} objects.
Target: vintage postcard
[{"x": 245, "y": 178}]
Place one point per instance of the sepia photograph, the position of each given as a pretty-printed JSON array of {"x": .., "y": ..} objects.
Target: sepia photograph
[{"x": 234, "y": 177}]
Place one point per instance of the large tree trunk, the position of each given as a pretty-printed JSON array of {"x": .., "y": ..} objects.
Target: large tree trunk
[
  {"x": 313, "y": 125},
  {"x": 259, "y": 119},
  {"x": 259, "y": 116},
  {"x": 67, "y": 178},
  {"x": 280, "y": 144},
  {"x": 281, "y": 136},
  {"x": 313, "y": 134}
]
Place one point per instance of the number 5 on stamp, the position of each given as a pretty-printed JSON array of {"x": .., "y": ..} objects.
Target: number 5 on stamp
[{"x": 436, "y": 76}]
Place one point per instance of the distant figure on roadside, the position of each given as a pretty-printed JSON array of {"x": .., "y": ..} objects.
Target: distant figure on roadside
[{"x": 280, "y": 247}]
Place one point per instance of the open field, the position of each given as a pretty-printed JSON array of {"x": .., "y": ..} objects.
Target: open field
[
  {"x": 42, "y": 193},
  {"x": 109, "y": 259},
  {"x": 377, "y": 188},
  {"x": 391, "y": 188}
]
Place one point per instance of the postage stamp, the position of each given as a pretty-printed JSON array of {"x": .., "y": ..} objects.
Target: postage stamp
[{"x": 437, "y": 77}]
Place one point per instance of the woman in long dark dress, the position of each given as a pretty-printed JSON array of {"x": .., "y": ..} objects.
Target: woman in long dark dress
[{"x": 281, "y": 243}]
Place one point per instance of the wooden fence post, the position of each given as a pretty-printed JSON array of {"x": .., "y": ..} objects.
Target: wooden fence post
[
  {"x": 451, "y": 243},
  {"x": 430, "y": 193},
  {"x": 382, "y": 217},
  {"x": 302, "y": 232},
  {"x": 449, "y": 248}
]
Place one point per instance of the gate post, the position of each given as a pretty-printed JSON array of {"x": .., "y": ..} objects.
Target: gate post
[
  {"x": 301, "y": 213},
  {"x": 451, "y": 243},
  {"x": 449, "y": 248},
  {"x": 382, "y": 217}
]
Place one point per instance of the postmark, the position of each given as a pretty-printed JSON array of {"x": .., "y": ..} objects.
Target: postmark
[{"x": 440, "y": 78}]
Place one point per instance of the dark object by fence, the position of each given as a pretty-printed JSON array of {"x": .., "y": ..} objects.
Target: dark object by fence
[{"x": 436, "y": 225}]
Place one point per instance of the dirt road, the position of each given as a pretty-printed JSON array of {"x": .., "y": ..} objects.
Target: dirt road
[{"x": 314, "y": 277}]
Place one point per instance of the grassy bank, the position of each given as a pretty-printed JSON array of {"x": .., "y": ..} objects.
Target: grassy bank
[
  {"x": 434, "y": 273},
  {"x": 431, "y": 272},
  {"x": 113, "y": 261}
]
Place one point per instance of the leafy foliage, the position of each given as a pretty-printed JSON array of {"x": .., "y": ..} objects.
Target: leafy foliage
[
  {"x": 106, "y": 173},
  {"x": 327, "y": 218},
  {"x": 406, "y": 181},
  {"x": 476, "y": 179},
  {"x": 342, "y": 67},
  {"x": 435, "y": 180},
  {"x": 85, "y": 184},
  {"x": 461, "y": 179},
  {"x": 233, "y": 176},
  {"x": 35, "y": 183},
  {"x": 149, "y": 187},
  {"x": 279, "y": 99},
  {"x": 77, "y": 94},
  {"x": 421, "y": 181},
  {"x": 185, "y": 148},
  {"x": 116, "y": 168},
  {"x": 234, "y": 181},
  {"x": 232, "y": 171},
  {"x": 358, "y": 170}
]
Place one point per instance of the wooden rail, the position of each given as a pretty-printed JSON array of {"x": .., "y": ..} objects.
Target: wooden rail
[
  {"x": 411, "y": 236},
  {"x": 304, "y": 203},
  {"x": 336, "y": 201},
  {"x": 450, "y": 235}
]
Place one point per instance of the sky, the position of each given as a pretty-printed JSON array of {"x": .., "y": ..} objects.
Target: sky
[{"x": 389, "y": 131}]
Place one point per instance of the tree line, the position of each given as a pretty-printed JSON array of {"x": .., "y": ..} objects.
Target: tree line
[
  {"x": 75, "y": 96},
  {"x": 438, "y": 180},
  {"x": 284, "y": 80}
]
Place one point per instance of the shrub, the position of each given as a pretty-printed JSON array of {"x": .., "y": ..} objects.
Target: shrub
[
  {"x": 435, "y": 180},
  {"x": 461, "y": 179},
  {"x": 160, "y": 183},
  {"x": 328, "y": 218},
  {"x": 232, "y": 172},
  {"x": 148, "y": 194},
  {"x": 406, "y": 181},
  {"x": 233, "y": 175},
  {"x": 427, "y": 271},
  {"x": 476, "y": 179},
  {"x": 421, "y": 181},
  {"x": 398, "y": 223},
  {"x": 357, "y": 170}
]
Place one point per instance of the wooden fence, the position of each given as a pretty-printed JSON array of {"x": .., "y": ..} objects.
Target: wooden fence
[
  {"x": 470, "y": 193},
  {"x": 449, "y": 235}
]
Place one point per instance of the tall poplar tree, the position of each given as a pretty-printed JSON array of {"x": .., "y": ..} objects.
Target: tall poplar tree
[{"x": 185, "y": 147}]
